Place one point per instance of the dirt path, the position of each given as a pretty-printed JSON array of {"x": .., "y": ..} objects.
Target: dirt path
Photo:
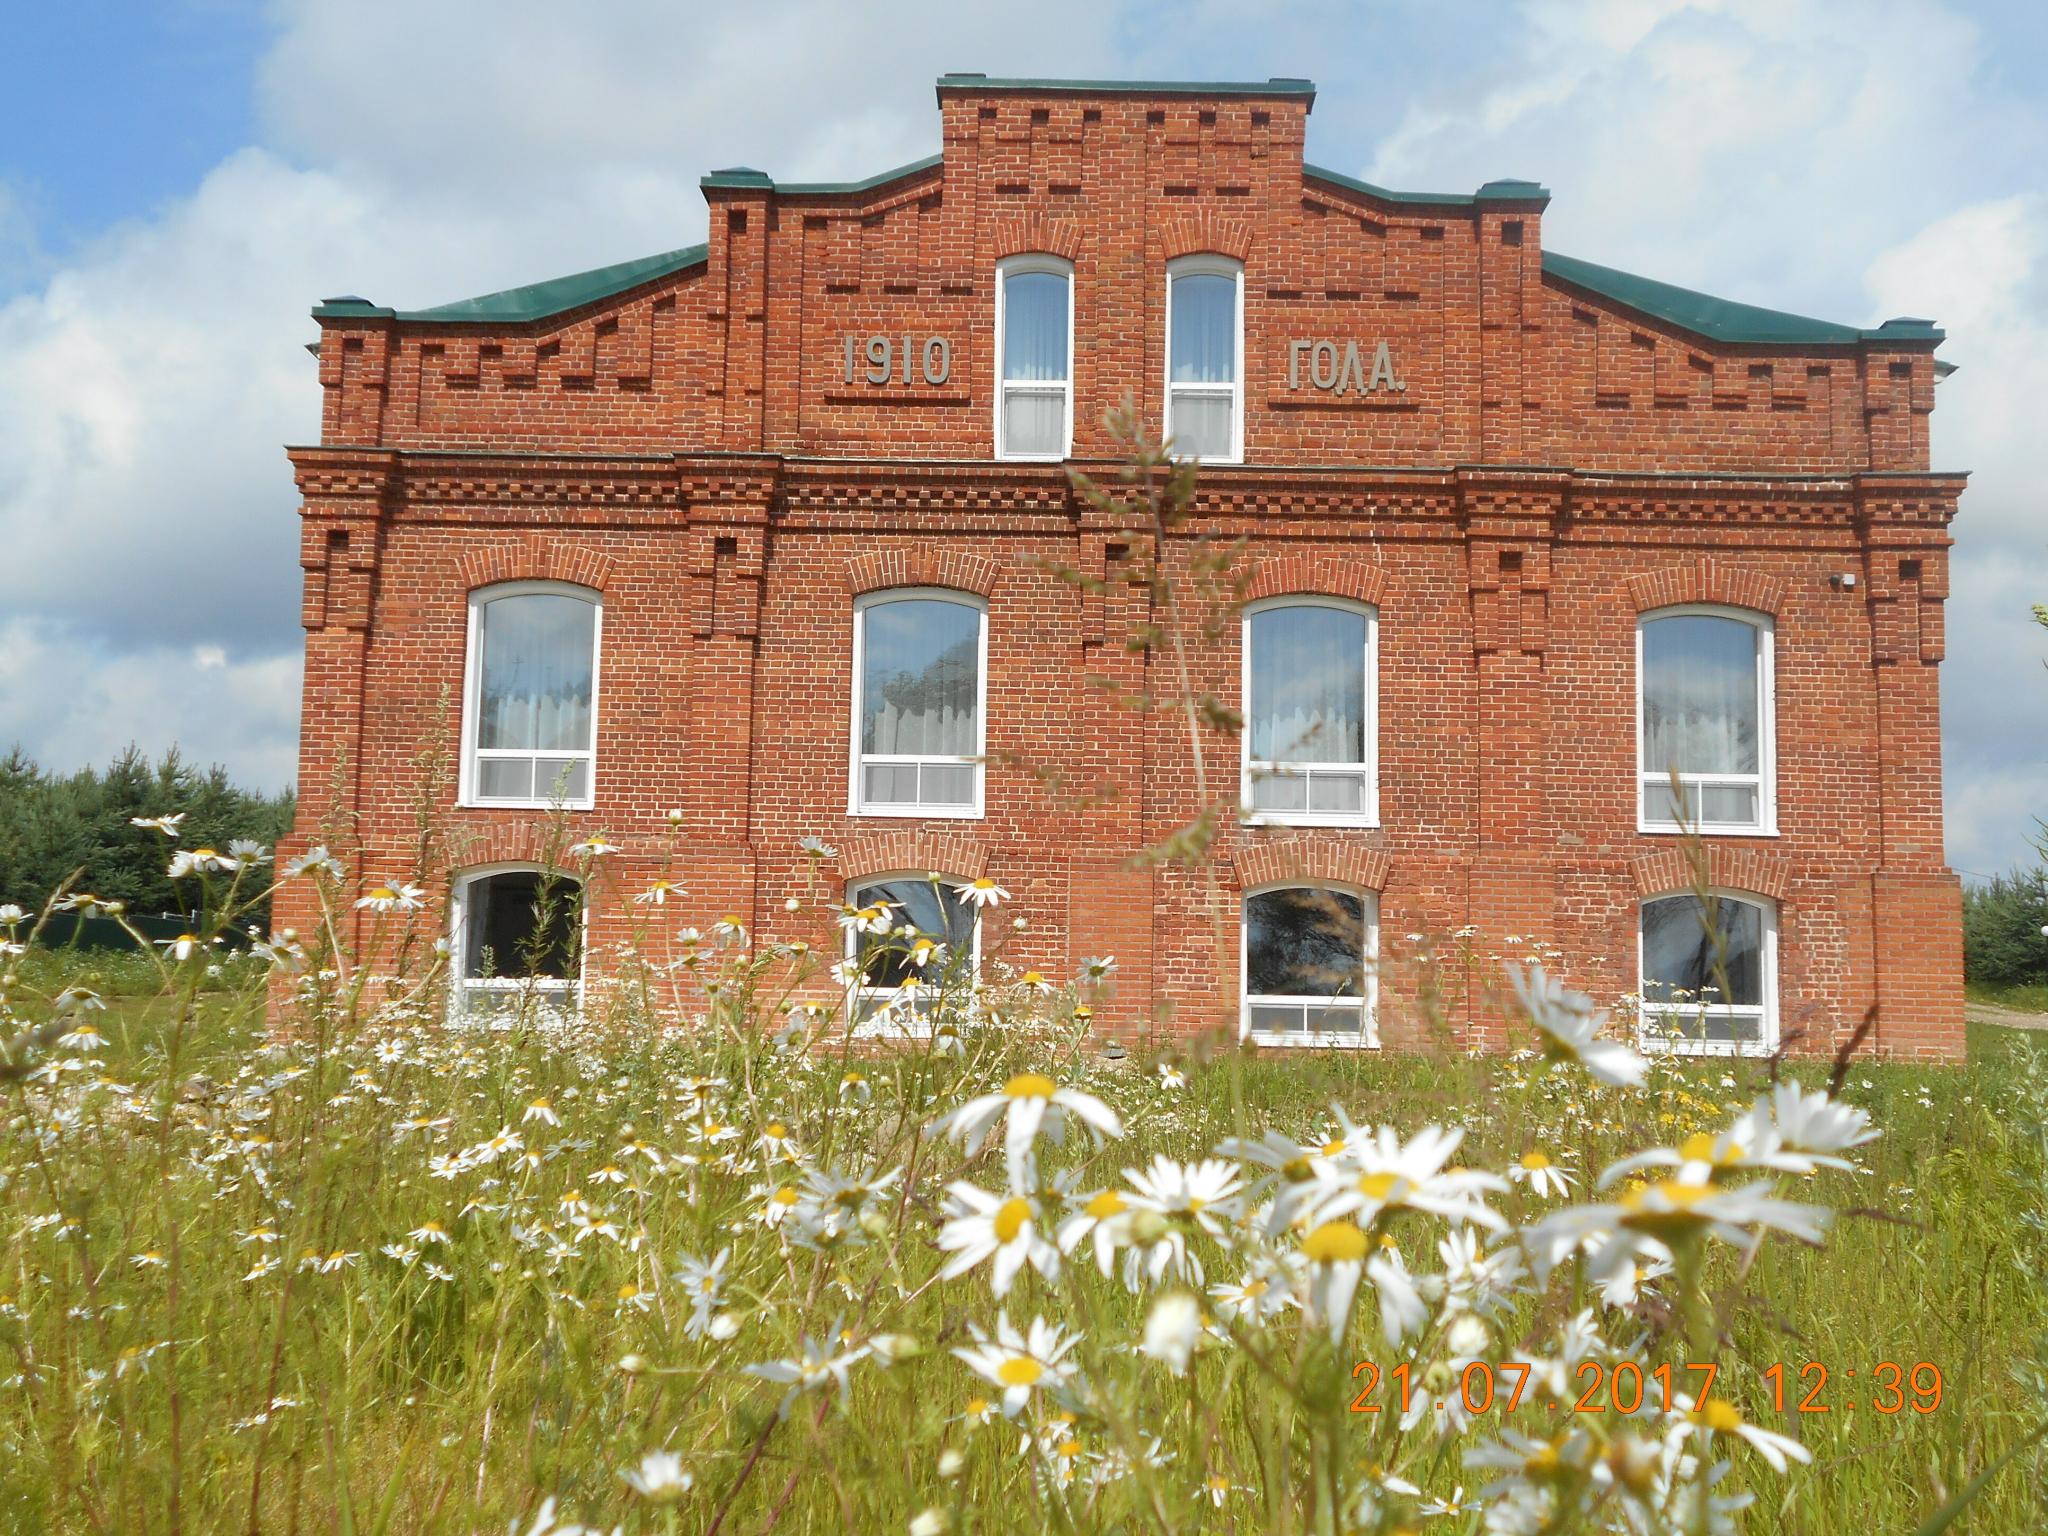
[{"x": 2008, "y": 1018}]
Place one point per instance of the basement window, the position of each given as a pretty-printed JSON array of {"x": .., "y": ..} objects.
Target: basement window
[
  {"x": 1308, "y": 959},
  {"x": 1709, "y": 965},
  {"x": 516, "y": 941}
]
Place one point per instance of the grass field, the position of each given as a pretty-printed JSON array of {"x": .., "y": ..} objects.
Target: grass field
[{"x": 389, "y": 1276}]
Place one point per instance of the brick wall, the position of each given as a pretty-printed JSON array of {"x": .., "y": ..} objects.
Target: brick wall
[{"x": 693, "y": 450}]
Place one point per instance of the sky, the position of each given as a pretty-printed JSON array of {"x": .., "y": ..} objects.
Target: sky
[{"x": 181, "y": 179}]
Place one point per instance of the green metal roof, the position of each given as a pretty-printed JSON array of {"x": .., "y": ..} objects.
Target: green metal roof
[
  {"x": 535, "y": 301},
  {"x": 1494, "y": 191},
  {"x": 1723, "y": 319},
  {"x": 747, "y": 176},
  {"x": 1279, "y": 85}
]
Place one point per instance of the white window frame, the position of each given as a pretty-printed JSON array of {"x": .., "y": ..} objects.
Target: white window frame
[
  {"x": 462, "y": 987},
  {"x": 1766, "y": 776},
  {"x": 1206, "y": 266},
  {"x": 1368, "y": 1036},
  {"x": 1686, "y": 1045},
  {"x": 856, "y": 804},
  {"x": 1370, "y": 766},
  {"x": 894, "y": 1026},
  {"x": 1057, "y": 267},
  {"x": 472, "y": 689}
]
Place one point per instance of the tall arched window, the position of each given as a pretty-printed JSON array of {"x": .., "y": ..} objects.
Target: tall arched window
[
  {"x": 530, "y": 695},
  {"x": 1705, "y": 682},
  {"x": 1310, "y": 705},
  {"x": 1034, "y": 357},
  {"x": 920, "y": 666},
  {"x": 516, "y": 937},
  {"x": 1309, "y": 953},
  {"x": 900, "y": 983},
  {"x": 1205, "y": 358},
  {"x": 1710, "y": 972}
]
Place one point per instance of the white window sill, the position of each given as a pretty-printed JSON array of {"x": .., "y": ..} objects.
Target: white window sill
[
  {"x": 1329, "y": 1042},
  {"x": 917, "y": 812},
  {"x": 1661, "y": 1045},
  {"x": 1300, "y": 819},
  {"x": 1673, "y": 829},
  {"x": 1032, "y": 458},
  {"x": 524, "y": 805}
]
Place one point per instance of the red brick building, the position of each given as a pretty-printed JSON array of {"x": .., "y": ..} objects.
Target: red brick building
[{"x": 765, "y": 530}]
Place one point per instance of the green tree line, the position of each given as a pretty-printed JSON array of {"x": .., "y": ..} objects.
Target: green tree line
[
  {"x": 2003, "y": 945},
  {"x": 57, "y": 826}
]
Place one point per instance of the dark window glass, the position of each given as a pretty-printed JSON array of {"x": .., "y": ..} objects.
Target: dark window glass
[
  {"x": 1683, "y": 964},
  {"x": 1305, "y": 942},
  {"x": 916, "y": 906},
  {"x": 517, "y": 927}
]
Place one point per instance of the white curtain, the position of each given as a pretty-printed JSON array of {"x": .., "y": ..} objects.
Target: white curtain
[
  {"x": 1308, "y": 685},
  {"x": 1700, "y": 707},
  {"x": 921, "y": 678},
  {"x": 539, "y": 656}
]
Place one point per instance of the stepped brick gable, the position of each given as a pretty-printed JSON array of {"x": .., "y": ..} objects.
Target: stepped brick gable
[{"x": 1505, "y": 465}]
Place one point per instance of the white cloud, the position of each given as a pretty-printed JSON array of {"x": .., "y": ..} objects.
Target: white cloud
[{"x": 75, "y": 702}]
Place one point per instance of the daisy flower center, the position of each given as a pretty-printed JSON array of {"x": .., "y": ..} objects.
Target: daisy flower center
[
  {"x": 1029, "y": 1085},
  {"x": 1010, "y": 1218},
  {"x": 1022, "y": 1371},
  {"x": 1387, "y": 1187},
  {"x": 1535, "y": 1162},
  {"x": 1335, "y": 1242},
  {"x": 1718, "y": 1413},
  {"x": 1108, "y": 1203}
]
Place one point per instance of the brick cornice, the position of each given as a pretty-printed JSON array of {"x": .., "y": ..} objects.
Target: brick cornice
[
  {"x": 1309, "y": 857},
  {"x": 1663, "y": 871},
  {"x": 1706, "y": 580},
  {"x": 913, "y": 850}
]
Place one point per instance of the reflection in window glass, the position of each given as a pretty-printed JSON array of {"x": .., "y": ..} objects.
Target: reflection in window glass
[
  {"x": 1305, "y": 959},
  {"x": 921, "y": 690},
  {"x": 1703, "y": 717},
  {"x": 1704, "y": 969}
]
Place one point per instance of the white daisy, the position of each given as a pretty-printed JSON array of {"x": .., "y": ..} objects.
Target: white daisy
[
  {"x": 1008, "y": 1229},
  {"x": 1030, "y": 1101}
]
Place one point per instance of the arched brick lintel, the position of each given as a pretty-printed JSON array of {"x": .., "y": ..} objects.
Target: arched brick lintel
[
  {"x": 913, "y": 849},
  {"x": 474, "y": 845},
  {"x": 1316, "y": 575},
  {"x": 534, "y": 557},
  {"x": 1313, "y": 859},
  {"x": 1207, "y": 233},
  {"x": 1035, "y": 234},
  {"x": 1666, "y": 871},
  {"x": 921, "y": 566},
  {"x": 1707, "y": 581}
]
